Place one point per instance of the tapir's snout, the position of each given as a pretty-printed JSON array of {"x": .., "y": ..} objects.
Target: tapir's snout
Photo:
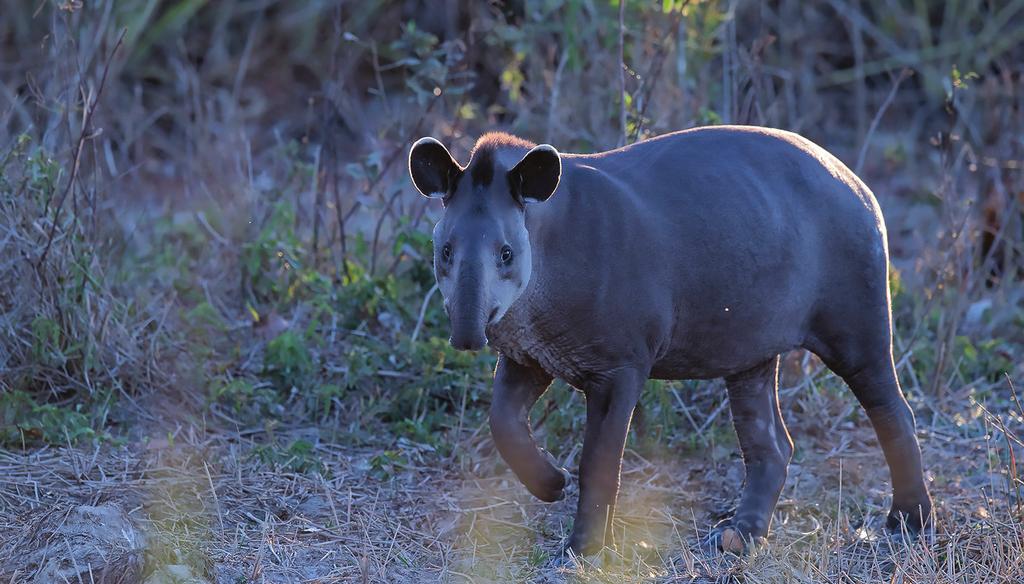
[
  {"x": 467, "y": 329},
  {"x": 468, "y": 333}
]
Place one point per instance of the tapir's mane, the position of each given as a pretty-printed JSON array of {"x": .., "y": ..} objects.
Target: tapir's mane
[
  {"x": 495, "y": 140},
  {"x": 484, "y": 158}
]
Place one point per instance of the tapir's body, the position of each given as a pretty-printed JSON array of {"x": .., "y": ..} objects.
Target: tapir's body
[
  {"x": 700, "y": 254},
  {"x": 700, "y": 266}
]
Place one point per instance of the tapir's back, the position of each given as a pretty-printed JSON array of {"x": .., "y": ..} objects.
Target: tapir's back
[{"x": 775, "y": 175}]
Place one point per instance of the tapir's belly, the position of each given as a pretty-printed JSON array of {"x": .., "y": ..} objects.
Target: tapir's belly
[
  {"x": 729, "y": 340},
  {"x": 736, "y": 310},
  {"x": 720, "y": 357}
]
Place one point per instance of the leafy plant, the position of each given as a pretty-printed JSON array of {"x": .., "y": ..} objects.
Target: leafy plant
[
  {"x": 271, "y": 262},
  {"x": 23, "y": 421},
  {"x": 287, "y": 360},
  {"x": 298, "y": 456}
]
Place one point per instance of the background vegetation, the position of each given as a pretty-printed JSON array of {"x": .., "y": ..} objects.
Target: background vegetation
[{"x": 212, "y": 265}]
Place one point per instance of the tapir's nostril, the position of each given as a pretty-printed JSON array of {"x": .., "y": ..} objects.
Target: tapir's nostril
[{"x": 468, "y": 343}]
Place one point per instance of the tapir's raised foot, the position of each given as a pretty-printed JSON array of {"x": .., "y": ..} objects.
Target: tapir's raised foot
[
  {"x": 516, "y": 389},
  {"x": 551, "y": 486}
]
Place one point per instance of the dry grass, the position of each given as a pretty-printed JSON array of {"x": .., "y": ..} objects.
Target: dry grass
[{"x": 203, "y": 500}]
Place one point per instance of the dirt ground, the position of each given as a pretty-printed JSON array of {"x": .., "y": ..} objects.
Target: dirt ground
[{"x": 194, "y": 506}]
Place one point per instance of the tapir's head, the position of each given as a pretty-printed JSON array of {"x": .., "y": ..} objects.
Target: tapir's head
[{"x": 482, "y": 255}]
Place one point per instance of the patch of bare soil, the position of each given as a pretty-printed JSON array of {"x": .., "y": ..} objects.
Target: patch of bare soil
[{"x": 66, "y": 543}]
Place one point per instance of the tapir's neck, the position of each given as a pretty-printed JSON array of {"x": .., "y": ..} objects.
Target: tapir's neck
[
  {"x": 529, "y": 334},
  {"x": 515, "y": 331}
]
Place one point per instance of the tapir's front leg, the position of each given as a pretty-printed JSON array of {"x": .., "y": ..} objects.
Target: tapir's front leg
[
  {"x": 610, "y": 403},
  {"x": 516, "y": 389}
]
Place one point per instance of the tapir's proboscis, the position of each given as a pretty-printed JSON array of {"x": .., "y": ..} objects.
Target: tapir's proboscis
[{"x": 699, "y": 254}]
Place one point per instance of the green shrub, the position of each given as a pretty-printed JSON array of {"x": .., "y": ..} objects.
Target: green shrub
[
  {"x": 287, "y": 360},
  {"x": 23, "y": 421}
]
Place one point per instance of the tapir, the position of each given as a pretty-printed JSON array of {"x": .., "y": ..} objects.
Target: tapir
[{"x": 705, "y": 253}]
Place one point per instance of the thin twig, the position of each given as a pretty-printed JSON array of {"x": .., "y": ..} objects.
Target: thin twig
[
  {"x": 423, "y": 312},
  {"x": 399, "y": 150},
  {"x": 650, "y": 80},
  {"x": 556, "y": 88},
  {"x": 376, "y": 231},
  {"x": 90, "y": 109},
  {"x": 213, "y": 490},
  {"x": 623, "y": 137},
  {"x": 904, "y": 74},
  {"x": 1013, "y": 393},
  {"x": 318, "y": 201}
]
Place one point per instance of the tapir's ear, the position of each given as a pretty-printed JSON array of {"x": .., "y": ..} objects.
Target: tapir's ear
[
  {"x": 536, "y": 176},
  {"x": 432, "y": 168}
]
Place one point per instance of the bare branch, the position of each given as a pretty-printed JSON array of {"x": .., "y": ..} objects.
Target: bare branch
[
  {"x": 84, "y": 135},
  {"x": 904, "y": 74}
]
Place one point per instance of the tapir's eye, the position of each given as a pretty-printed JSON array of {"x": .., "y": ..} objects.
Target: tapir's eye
[
  {"x": 506, "y": 254},
  {"x": 446, "y": 252}
]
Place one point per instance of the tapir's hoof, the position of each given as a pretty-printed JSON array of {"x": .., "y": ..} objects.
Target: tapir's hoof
[
  {"x": 910, "y": 519},
  {"x": 577, "y": 547},
  {"x": 553, "y": 487},
  {"x": 731, "y": 538},
  {"x": 588, "y": 539},
  {"x": 903, "y": 534}
]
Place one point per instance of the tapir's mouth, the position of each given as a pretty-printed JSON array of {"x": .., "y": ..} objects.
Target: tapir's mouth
[
  {"x": 493, "y": 316},
  {"x": 468, "y": 344}
]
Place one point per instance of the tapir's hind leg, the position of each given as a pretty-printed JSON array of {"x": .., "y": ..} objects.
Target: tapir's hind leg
[
  {"x": 854, "y": 339},
  {"x": 879, "y": 392},
  {"x": 766, "y": 447}
]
